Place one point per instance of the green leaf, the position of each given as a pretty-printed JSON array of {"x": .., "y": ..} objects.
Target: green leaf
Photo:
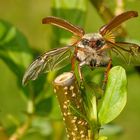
[
  {"x": 17, "y": 54},
  {"x": 44, "y": 107},
  {"x": 111, "y": 130},
  {"x": 90, "y": 101},
  {"x": 40, "y": 125},
  {"x": 14, "y": 49},
  {"x": 73, "y": 11},
  {"x": 94, "y": 89},
  {"x": 102, "y": 138},
  {"x": 115, "y": 96}
]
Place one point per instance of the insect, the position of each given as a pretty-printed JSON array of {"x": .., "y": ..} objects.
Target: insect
[{"x": 92, "y": 49}]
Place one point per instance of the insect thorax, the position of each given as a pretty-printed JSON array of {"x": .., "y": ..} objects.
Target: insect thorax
[{"x": 88, "y": 53}]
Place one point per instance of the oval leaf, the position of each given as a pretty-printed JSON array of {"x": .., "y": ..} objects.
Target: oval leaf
[
  {"x": 115, "y": 96},
  {"x": 14, "y": 48}
]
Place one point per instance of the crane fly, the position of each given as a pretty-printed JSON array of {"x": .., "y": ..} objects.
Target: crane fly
[{"x": 92, "y": 49}]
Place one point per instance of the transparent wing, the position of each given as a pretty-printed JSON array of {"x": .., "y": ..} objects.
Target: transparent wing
[
  {"x": 54, "y": 59},
  {"x": 125, "y": 53}
]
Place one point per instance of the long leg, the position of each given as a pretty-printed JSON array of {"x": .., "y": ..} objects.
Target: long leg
[
  {"x": 79, "y": 67},
  {"x": 106, "y": 74},
  {"x": 73, "y": 59},
  {"x": 80, "y": 73}
]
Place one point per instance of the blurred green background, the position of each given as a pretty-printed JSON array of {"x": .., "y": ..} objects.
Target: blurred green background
[{"x": 14, "y": 100}]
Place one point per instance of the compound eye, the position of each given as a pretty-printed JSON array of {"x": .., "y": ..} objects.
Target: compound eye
[
  {"x": 85, "y": 42},
  {"x": 99, "y": 43}
]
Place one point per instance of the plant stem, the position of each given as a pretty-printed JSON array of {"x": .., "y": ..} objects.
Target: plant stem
[
  {"x": 22, "y": 129},
  {"x": 67, "y": 90},
  {"x": 90, "y": 101},
  {"x": 3, "y": 135},
  {"x": 119, "y": 7}
]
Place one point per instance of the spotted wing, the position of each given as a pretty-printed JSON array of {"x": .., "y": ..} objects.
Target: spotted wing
[
  {"x": 125, "y": 53},
  {"x": 49, "y": 61}
]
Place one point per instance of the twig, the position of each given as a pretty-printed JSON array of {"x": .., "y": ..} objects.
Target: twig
[
  {"x": 119, "y": 7},
  {"x": 68, "y": 93},
  {"x": 21, "y": 130},
  {"x": 3, "y": 135}
]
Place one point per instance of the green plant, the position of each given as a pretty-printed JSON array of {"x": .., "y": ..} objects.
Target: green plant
[
  {"x": 41, "y": 107},
  {"x": 99, "y": 108}
]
